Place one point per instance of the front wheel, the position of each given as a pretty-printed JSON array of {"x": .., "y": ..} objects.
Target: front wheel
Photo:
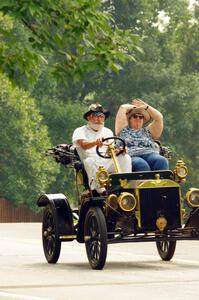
[
  {"x": 166, "y": 249},
  {"x": 51, "y": 242},
  {"x": 95, "y": 235}
]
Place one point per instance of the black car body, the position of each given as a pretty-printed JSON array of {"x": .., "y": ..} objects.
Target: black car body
[{"x": 137, "y": 207}]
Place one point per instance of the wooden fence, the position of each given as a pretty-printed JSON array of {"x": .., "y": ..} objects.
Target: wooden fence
[{"x": 10, "y": 214}]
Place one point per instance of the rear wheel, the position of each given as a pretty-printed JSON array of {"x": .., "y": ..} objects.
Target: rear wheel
[
  {"x": 51, "y": 242},
  {"x": 166, "y": 249},
  {"x": 95, "y": 234}
]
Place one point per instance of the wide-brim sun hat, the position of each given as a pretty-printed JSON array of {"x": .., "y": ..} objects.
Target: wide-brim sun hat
[
  {"x": 93, "y": 108},
  {"x": 125, "y": 112},
  {"x": 138, "y": 110}
]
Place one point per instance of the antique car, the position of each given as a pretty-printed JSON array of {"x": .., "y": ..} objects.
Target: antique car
[{"x": 137, "y": 207}]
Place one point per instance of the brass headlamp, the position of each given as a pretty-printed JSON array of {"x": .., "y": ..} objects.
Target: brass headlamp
[
  {"x": 180, "y": 171},
  {"x": 127, "y": 201},
  {"x": 112, "y": 201},
  {"x": 102, "y": 176},
  {"x": 192, "y": 197}
]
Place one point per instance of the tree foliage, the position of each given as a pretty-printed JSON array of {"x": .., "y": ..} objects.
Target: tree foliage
[
  {"x": 18, "y": 60},
  {"x": 75, "y": 42},
  {"x": 24, "y": 172},
  {"x": 165, "y": 75},
  {"x": 80, "y": 36}
]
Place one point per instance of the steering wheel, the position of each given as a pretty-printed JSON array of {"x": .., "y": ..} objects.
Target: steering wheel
[{"x": 104, "y": 151}]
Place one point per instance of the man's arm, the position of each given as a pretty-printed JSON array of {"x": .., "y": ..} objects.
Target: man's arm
[{"x": 89, "y": 144}]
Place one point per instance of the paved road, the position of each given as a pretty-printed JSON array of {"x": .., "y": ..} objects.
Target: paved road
[{"x": 132, "y": 271}]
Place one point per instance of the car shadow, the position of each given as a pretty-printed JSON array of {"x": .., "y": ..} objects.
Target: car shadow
[{"x": 121, "y": 265}]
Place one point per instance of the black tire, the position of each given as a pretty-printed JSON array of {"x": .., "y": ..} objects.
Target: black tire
[
  {"x": 50, "y": 239},
  {"x": 166, "y": 249},
  {"x": 95, "y": 233}
]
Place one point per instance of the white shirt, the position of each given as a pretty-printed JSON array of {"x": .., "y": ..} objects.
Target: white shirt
[{"x": 88, "y": 134}]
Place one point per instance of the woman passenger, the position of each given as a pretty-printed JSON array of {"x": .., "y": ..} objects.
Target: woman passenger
[{"x": 130, "y": 120}]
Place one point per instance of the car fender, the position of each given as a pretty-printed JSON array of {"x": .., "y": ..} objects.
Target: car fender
[{"x": 63, "y": 214}]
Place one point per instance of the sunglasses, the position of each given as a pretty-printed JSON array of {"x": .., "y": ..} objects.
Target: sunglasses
[
  {"x": 138, "y": 116},
  {"x": 98, "y": 114}
]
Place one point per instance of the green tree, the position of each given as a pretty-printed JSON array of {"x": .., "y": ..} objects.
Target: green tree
[
  {"x": 24, "y": 170},
  {"x": 18, "y": 60},
  {"x": 181, "y": 123},
  {"x": 80, "y": 36},
  {"x": 62, "y": 119},
  {"x": 164, "y": 75}
]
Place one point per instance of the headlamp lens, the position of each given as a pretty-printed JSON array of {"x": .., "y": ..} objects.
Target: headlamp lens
[
  {"x": 112, "y": 201},
  {"x": 192, "y": 197},
  {"x": 182, "y": 172},
  {"x": 103, "y": 176},
  {"x": 127, "y": 201}
]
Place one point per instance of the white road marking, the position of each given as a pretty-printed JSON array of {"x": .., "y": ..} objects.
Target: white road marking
[{"x": 4, "y": 295}]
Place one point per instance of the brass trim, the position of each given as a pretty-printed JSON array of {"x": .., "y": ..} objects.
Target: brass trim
[
  {"x": 137, "y": 212},
  {"x": 148, "y": 183},
  {"x": 181, "y": 176},
  {"x": 157, "y": 179},
  {"x": 123, "y": 183},
  {"x": 87, "y": 238},
  {"x": 67, "y": 237},
  {"x": 187, "y": 196},
  {"x": 101, "y": 170},
  {"x": 183, "y": 213},
  {"x": 113, "y": 156},
  {"x": 122, "y": 196},
  {"x": 180, "y": 165},
  {"x": 161, "y": 223},
  {"x": 180, "y": 205},
  {"x": 110, "y": 182},
  {"x": 112, "y": 197},
  {"x": 157, "y": 183}
]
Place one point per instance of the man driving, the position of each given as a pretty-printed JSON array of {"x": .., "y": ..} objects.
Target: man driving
[{"x": 91, "y": 135}]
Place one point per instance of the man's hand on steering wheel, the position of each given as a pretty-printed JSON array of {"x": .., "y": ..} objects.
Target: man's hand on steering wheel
[
  {"x": 99, "y": 142},
  {"x": 105, "y": 153}
]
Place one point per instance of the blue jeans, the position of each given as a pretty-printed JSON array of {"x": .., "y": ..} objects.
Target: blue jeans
[{"x": 148, "y": 162}]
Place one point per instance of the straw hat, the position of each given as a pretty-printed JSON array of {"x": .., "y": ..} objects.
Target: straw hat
[
  {"x": 138, "y": 110},
  {"x": 125, "y": 112}
]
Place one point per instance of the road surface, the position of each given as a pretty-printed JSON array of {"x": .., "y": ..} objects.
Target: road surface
[{"x": 132, "y": 271}]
